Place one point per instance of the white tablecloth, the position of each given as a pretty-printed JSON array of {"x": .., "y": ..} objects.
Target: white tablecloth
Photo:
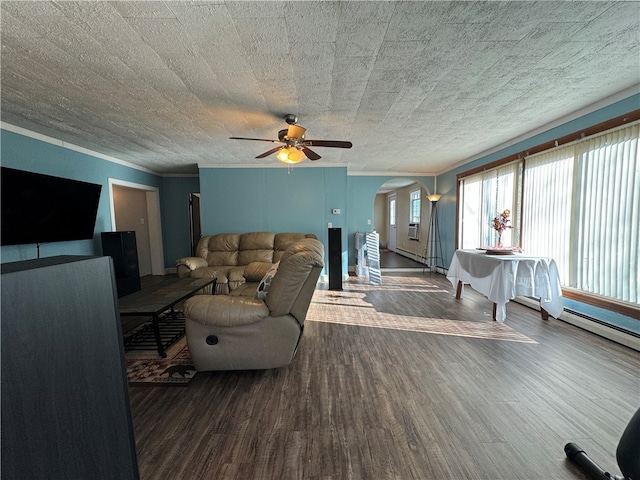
[{"x": 503, "y": 277}]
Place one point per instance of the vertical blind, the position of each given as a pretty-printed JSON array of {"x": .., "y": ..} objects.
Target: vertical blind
[
  {"x": 580, "y": 206},
  {"x": 547, "y": 206},
  {"x": 608, "y": 209}
]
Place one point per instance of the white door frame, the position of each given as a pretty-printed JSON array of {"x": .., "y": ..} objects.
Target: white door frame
[
  {"x": 153, "y": 213},
  {"x": 391, "y": 241}
]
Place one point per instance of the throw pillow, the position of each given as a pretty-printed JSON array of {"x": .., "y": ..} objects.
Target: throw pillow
[{"x": 265, "y": 283}]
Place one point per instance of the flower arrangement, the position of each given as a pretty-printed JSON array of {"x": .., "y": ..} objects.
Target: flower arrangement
[{"x": 501, "y": 223}]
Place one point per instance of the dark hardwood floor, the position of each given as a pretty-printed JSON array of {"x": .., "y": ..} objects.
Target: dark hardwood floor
[
  {"x": 400, "y": 381},
  {"x": 394, "y": 260}
]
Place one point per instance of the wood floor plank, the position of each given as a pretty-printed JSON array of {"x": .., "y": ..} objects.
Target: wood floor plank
[{"x": 400, "y": 381}]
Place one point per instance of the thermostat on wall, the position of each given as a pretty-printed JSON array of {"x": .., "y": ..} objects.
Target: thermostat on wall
[{"x": 336, "y": 211}]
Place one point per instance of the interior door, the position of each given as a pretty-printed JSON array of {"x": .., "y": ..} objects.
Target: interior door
[
  {"x": 194, "y": 219},
  {"x": 392, "y": 222}
]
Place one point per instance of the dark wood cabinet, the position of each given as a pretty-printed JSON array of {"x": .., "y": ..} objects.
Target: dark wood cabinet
[
  {"x": 65, "y": 398},
  {"x": 122, "y": 248}
]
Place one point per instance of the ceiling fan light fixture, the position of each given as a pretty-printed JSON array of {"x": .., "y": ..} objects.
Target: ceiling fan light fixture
[
  {"x": 295, "y": 148},
  {"x": 296, "y": 132},
  {"x": 290, "y": 155}
]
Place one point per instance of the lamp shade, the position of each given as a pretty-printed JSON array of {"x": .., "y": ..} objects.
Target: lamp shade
[
  {"x": 290, "y": 155},
  {"x": 434, "y": 197}
]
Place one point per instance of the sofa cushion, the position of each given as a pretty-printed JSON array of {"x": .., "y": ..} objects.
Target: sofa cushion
[
  {"x": 282, "y": 241},
  {"x": 192, "y": 263},
  {"x": 212, "y": 272},
  {"x": 245, "y": 290},
  {"x": 220, "y": 249},
  {"x": 236, "y": 278},
  {"x": 265, "y": 283},
  {"x": 225, "y": 310},
  {"x": 219, "y": 273},
  {"x": 256, "y": 247},
  {"x": 255, "y": 271}
]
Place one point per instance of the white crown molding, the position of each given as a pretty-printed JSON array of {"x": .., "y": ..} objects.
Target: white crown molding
[
  {"x": 633, "y": 90},
  {"x": 270, "y": 165},
  {"x": 605, "y": 102},
  {"x": 70, "y": 146},
  {"x": 390, "y": 174}
]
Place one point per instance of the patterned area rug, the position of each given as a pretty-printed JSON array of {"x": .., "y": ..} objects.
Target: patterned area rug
[{"x": 147, "y": 369}]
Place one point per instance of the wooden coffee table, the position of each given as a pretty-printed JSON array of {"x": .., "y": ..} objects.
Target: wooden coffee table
[{"x": 158, "y": 301}]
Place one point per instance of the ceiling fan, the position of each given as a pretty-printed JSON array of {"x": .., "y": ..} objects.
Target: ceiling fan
[{"x": 295, "y": 148}]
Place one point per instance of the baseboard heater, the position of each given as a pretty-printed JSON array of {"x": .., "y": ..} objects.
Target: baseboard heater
[
  {"x": 604, "y": 329},
  {"x": 411, "y": 255},
  {"x": 419, "y": 259}
]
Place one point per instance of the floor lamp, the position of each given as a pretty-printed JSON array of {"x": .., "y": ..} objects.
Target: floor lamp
[{"x": 433, "y": 250}]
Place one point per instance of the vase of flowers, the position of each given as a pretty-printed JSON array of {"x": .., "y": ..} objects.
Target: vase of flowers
[{"x": 500, "y": 224}]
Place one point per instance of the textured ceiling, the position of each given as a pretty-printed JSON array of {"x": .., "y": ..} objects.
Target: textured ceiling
[{"x": 416, "y": 86}]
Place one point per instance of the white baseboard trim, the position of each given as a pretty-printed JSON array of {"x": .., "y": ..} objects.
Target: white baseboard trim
[
  {"x": 401, "y": 270},
  {"x": 594, "y": 327},
  {"x": 416, "y": 257}
]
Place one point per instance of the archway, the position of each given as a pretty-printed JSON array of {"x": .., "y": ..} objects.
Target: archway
[{"x": 403, "y": 232}]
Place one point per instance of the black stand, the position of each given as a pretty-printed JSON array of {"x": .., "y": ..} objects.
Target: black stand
[
  {"x": 627, "y": 455},
  {"x": 433, "y": 250},
  {"x": 335, "y": 259}
]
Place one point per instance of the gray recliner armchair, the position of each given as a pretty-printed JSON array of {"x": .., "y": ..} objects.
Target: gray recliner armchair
[{"x": 246, "y": 333}]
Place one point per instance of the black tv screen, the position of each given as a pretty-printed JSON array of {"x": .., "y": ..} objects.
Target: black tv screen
[{"x": 39, "y": 208}]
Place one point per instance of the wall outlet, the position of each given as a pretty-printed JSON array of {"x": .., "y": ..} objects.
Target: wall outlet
[
  {"x": 330, "y": 225},
  {"x": 336, "y": 211}
]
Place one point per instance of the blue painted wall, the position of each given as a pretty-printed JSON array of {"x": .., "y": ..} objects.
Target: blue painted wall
[
  {"x": 176, "y": 228},
  {"x": 300, "y": 200},
  {"x": 447, "y": 187},
  {"x": 25, "y": 153},
  {"x": 274, "y": 200},
  {"x": 361, "y": 202},
  {"x": 239, "y": 199}
]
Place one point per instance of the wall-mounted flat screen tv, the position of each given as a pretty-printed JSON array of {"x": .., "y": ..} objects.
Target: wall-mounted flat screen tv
[{"x": 39, "y": 208}]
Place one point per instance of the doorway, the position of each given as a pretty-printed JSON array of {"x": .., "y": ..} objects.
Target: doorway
[
  {"x": 392, "y": 207},
  {"x": 142, "y": 215},
  {"x": 393, "y": 216}
]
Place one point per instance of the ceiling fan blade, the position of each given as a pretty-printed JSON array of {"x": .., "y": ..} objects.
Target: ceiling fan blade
[
  {"x": 311, "y": 155},
  {"x": 257, "y": 139},
  {"x": 266, "y": 154},
  {"x": 328, "y": 143}
]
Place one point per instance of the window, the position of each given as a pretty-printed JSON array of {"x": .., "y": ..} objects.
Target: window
[
  {"x": 482, "y": 197},
  {"x": 588, "y": 218},
  {"x": 414, "y": 206},
  {"x": 392, "y": 211},
  {"x": 578, "y": 203}
]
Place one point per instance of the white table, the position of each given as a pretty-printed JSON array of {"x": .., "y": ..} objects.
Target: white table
[{"x": 501, "y": 278}]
